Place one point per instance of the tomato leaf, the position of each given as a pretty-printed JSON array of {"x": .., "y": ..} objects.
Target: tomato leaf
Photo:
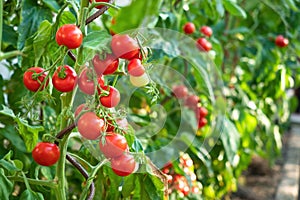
[
  {"x": 53, "y": 5},
  {"x": 6, "y": 186},
  {"x": 234, "y": 9},
  {"x": 30, "y": 195},
  {"x": 154, "y": 189},
  {"x": 128, "y": 185}
]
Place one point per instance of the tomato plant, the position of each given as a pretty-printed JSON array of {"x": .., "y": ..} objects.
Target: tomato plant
[{"x": 34, "y": 79}]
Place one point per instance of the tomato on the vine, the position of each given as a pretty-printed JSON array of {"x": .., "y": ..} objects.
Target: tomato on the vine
[
  {"x": 180, "y": 91},
  {"x": 124, "y": 46},
  {"x": 202, "y": 122},
  {"x": 34, "y": 79},
  {"x": 45, "y": 153},
  {"x": 123, "y": 165},
  {"x": 203, "y": 44},
  {"x": 112, "y": 99},
  {"x": 115, "y": 145},
  {"x": 206, "y": 30},
  {"x": 64, "y": 79},
  {"x": 281, "y": 41},
  {"x": 100, "y": 6},
  {"x": 90, "y": 126},
  {"x": 86, "y": 81},
  {"x": 189, "y": 28},
  {"x": 69, "y": 35},
  {"x": 201, "y": 111},
  {"x": 135, "y": 67},
  {"x": 192, "y": 101},
  {"x": 79, "y": 109},
  {"x": 106, "y": 66}
]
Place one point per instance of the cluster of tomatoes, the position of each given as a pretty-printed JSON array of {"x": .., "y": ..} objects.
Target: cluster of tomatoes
[
  {"x": 192, "y": 102},
  {"x": 183, "y": 184},
  {"x": 202, "y": 43},
  {"x": 92, "y": 122}
]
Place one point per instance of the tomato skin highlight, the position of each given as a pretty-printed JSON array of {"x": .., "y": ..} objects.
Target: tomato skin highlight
[
  {"x": 35, "y": 84},
  {"x": 46, "y": 154},
  {"x": 115, "y": 145},
  {"x": 69, "y": 35},
  {"x": 66, "y": 83},
  {"x": 123, "y": 165},
  {"x": 90, "y": 126},
  {"x": 206, "y": 30},
  {"x": 112, "y": 99},
  {"x": 107, "y": 66},
  {"x": 189, "y": 28},
  {"x": 123, "y": 46},
  {"x": 135, "y": 67},
  {"x": 281, "y": 41},
  {"x": 86, "y": 83}
]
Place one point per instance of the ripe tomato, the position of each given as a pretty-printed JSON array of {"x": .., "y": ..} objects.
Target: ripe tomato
[
  {"x": 201, "y": 112},
  {"x": 86, "y": 81},
  {"x": 46, "y": 154},
  {"x": 180, "y": 91},
  {"x": 90, "y": 126},
  {"x": 123, "y": 46},
  {"x": 79, "y": 109},
  {"x": 112, "y": 99},
  {"x": 100, "y": 6},
  {"x": 202, "y": 122},
  {"x": 124, "y": 165},
  {"x": 203, "y": 44},
  {"x": 122, "y": 123},
  {"x": 139, "y": 81},
  {"x": 69, "y": 35},
  {"x": 189, "y": 28},
  {"x": 64, "y": 79},
  {"x": 192, "y": 101},
  {"x": 206, "y": 30},
  {"x": 107, "y": 66},
  {"x": 281, "y": 41},
  {"x": 115, "y": 145},
  {"x": 34, "y": 79},
  {"x": 135, "y": 67}
]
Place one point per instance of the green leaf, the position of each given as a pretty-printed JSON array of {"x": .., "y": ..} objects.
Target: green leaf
[
  {"x": 9, "y": 36},
  {"x": 220, "y": 8},
  {"x": 142, "y": 13},
  {"x": 31, "y": 16},
  {"x": 234, "y": 9},
  {"x": 291, "y": 4},
  {"x": 11, "y": 134},
  {"x": 6, "y": 186},
  {"x": 66, "y": 17},
  {"x": 52, "y": 4},
  {"x": 230, "y": 138},
  {"x": 153, "y": 187},
  {"x": 128, "y": 185},
  {"x": 30, "y": 195}
]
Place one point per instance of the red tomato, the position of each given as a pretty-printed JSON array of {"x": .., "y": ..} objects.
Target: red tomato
[
  {"x": 101, "y": 6},
  {"x": 86, "y": 82},
  {"x": 115, "y": 145},
  {"x": 180, "y": 91},
  {"x": 202, "y": 122},
  {"x": 69, "y": 35},
  {"x": 46, "y": 154},
  {"x": 123, "y": 46},
  {"x": 122, "y": 123},
  {"x": 192, "y": 101},
  {"x": 79, "y": 109},
  {"x": 135, "y": 67},
  {"x": 90, "y": 126},
  {"x": 281, "y": 41},
  {"x": 201, "y": 112},
  {"x": 203, "y": 44},
  {"x": 64, "y": 79},
  {"x": 107, "y": 66},
  {"x": 34, "y": 79},
  {"x": 123, "y": 165},
  {"x": 112, "y": 99},
  {"x": 206, "y": 30},
  {"x": 189, "y": 28}
]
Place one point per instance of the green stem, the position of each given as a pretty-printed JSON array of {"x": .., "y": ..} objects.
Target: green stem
[
  {"x": 1, "y": 22},
  {"x": 50, "y": 184},
  {"x": 9, "y": 54},
  {"x": 104, "y": 4}
]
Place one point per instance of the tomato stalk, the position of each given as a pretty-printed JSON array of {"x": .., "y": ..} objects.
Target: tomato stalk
[{"x": 94, "y": 4}]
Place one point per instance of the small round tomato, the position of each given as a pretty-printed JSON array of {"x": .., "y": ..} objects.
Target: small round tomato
[
  {"x": 79, "y": 109},
  {"x": 69, "y": 35},
  {"x": 123, "y": 46},
  {"x": 122, "y": 123},
  {"x": 192, "y": 101},
  {"x": 203, "y": 44},
  {"x": 206, "y": 30},
  {"x": 189, "y": 28},
  {"x": 139, "y": 81},
  {"x": 123, "y": 165},
  {"x": 115, "y": 145},
  {"x": 202, "y": 122},
  {"x": 64, "y": 79},
  {"x": 201, "y": 111},
  {"x": 180, "y": 91},
  {"x": 34, "y": 79},
  {"x": 45, "y": 153},
  {"x": 135, "y": 67},
  {"x": 100, "y": 6},
  {"x": 107, "y": 66},
  {"x": 112, "y": 99},
  {"x": 90, "y": 126},
  {"x": 281, "y": 41},
  {"x": 86, "y": 81}
]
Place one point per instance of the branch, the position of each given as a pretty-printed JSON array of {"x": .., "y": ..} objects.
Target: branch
[
  {"x": 72, "y": 56},
  {"x": 98, "y": 13},
  {"x": 65, "y": 131}
]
